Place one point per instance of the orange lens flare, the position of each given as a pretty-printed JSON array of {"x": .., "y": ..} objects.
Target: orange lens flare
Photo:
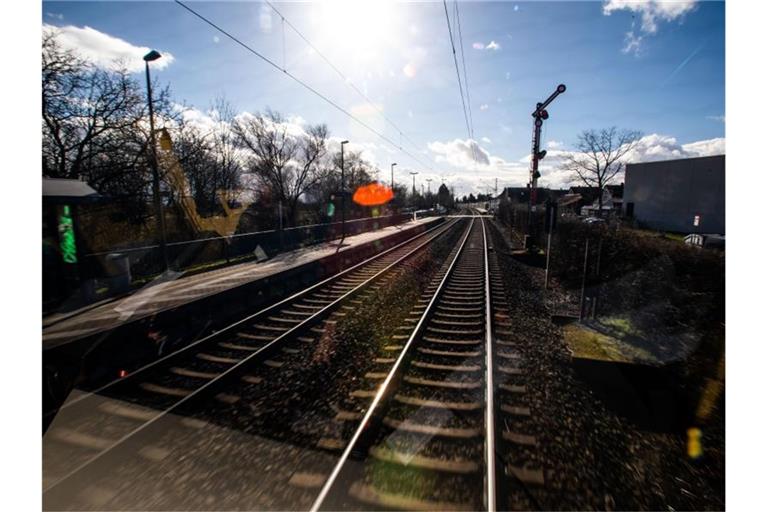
[{"x": 373, "y": 194}]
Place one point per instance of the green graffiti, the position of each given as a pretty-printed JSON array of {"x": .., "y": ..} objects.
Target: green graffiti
[
  {"x": 67, "y": 236},
  {"x": 331, "y": 209}
]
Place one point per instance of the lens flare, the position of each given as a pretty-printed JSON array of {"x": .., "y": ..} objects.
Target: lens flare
[{"x": 373, "y": 194}]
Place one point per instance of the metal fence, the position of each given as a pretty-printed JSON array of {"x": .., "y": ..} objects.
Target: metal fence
[{"x": 120, "y": 268}]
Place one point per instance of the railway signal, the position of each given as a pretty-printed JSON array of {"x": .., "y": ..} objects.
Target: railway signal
[{"x": 537, "y": 154}]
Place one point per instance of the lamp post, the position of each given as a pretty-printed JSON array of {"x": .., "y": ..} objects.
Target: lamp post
[
  {"x": 392, "y": 176},
  {"x": 343, "y": 198},
  {"x": 429, "y": 182},
  {"x": 152, "y": 56},
  {"x": 414, "y": 183}
]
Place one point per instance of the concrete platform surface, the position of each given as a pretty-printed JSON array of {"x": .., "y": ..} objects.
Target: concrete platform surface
[{"x": 175, "y": 289}]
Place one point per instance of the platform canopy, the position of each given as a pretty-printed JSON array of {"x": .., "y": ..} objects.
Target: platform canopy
[{"x": 68, "y": 190}]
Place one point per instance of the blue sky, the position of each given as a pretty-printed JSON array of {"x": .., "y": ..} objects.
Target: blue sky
[{"x": 658, "y": 68}]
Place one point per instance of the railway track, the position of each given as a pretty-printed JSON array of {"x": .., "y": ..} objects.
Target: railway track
[
  {"x": 93, "y": 424},
  {"x": 442, "y": 427},
  {"x": 428, "y": 427}
]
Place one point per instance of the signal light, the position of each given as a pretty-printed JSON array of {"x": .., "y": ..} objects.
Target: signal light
[
  {"x": 123, "y": 373},
  {"x": 561, "y": 88},
  {"x": 541, "y": 154},
  {"x": 544, "y": 114},
  {"x": 536, "y": 175}
]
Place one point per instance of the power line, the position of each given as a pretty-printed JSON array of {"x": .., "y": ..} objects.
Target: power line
[
  {"x": 299, "y": 81},
  {"x": 343, "y": 77},
  {"x": 464, "y": 66},
  {"x": 470, "y": 129},
  {"x": 456, "y": 64}
]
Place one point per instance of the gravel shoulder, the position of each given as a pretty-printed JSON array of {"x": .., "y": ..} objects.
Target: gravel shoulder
[{"x": 595, "y": 458}]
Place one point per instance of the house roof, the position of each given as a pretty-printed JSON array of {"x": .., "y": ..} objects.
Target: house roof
[
  {"x": 522, "y": 194},
  {"x": 569, "y": 199}
]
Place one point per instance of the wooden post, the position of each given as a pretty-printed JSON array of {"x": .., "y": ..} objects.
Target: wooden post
[
  {"x": 549, "y": 245},
  {"x": 583, "y": 281}
]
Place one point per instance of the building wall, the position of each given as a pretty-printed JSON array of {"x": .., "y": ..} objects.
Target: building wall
[{"x": 667, "y": 195}]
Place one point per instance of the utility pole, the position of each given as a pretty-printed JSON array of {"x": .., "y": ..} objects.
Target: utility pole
[
  {"x": 343, "y": 199},
  {"x": 392, "y": 176},
  {"x": 152, "y": 56},
  {"x": 429, "y": 181},
  {"x": 539, "y": 116},
  {"x": 414, "y": 182}
]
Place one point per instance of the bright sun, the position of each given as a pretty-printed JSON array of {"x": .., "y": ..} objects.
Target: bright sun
[{"x": 359, "y": 27}]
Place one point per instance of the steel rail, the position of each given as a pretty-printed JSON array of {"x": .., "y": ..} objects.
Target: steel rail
[
  {"x": 196, "y": 393},
  {"x": 490, "y": 403},
  {"x": 384, "y": 387},
  {"x": 264, "y": 311}
]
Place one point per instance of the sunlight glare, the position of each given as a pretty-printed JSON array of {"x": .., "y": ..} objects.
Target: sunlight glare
[{"x": 359, "y": 27}]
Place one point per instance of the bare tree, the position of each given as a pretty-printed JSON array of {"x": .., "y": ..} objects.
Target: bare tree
[
  {"x": 598, "y": 157},
  {"x": 289, "y": 164},
  {"x": 94, "y": 125}
]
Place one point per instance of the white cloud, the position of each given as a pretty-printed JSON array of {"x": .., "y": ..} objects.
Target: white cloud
[
  {"x": 265, "y": 18},
  {"x": 650, "y": 148},
  {"x": 486, "y": 140},
  {"x": 508, "y": 75},
  {"x": 717, "y": 118},
  {"x": 484, "y": 106},
  {"x": 466, "y": 154},
  {"x": 651, "y": 13},
  {"x": 493, "y": 45},
  {"x": 55, "y": 15},
  {"x": 104, "y": 50},
  {"x": 216, "y": 39},
  {"x": 476, "y": 177},
  {"x": 706, "y": 147}
]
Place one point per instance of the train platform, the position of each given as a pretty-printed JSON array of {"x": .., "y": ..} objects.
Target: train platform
[{"x": 175, "y": 289}]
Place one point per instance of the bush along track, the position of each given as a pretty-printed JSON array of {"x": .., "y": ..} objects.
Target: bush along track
[{"x": 592, "y": 457}]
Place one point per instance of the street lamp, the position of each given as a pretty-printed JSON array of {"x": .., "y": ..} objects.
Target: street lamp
[
  {"x": 429, "y": 181},
  {"x": 153, "y": 56},
  {"x": 392, "y": 176},
  {"x": 343, "y": 199},
  {"x": 414, "y": 182}
]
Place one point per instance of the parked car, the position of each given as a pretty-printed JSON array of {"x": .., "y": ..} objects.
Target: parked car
[
  {"x": 707, "y": 241},
  {"x": 594, "y": 220}
]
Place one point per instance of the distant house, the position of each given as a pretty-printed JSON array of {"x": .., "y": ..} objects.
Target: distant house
[
  {"x": 674, "y": 195},
  {"x": 584, "y": 200},
  {"x": 612, "y": 201},
  {"x": 521, "y": 195}
]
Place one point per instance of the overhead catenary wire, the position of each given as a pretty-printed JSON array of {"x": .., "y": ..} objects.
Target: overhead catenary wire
[
  {"x": 466, "y": 82},
  {"x": 344, "y": 78},
  {"x": 300, "y": 82},
  {"x": 464, "y": 67},
  {"x": 470, "y": 132},
  {"x": 456, "y": 65}
]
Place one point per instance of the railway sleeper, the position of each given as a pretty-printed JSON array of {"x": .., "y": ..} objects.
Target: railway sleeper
[
  {"x": 447, "y": 367},
  {"x": 461, "y": 466},
  {"x": 438, "y": 404},
  {"x": 431, "y": 430},
  {"x": 387, "y": 500},
  {"x": 450, "y": 384}
]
